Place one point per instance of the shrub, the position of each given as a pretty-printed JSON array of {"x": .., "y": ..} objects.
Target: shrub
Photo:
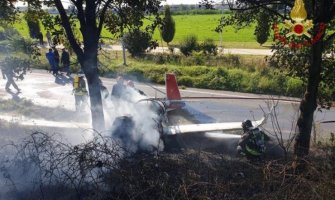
[
  {"x": 233, "y": 60},
  {"x": 160, "y": 59},
  {"x": 185, "y": 81},
  {"x": 326, "y": 93},
  {"x": 217, "y": 83},
  {"x": 209, "y": 47},
  {"x": 250, "y": 82},
  {"x": 137, "y": 42},
  {"x": 267, "y": 84},
  {"x": 294, "y": 87},
  {"x": 173, "y": 59},
  {"x": 196, "y": 70},
  {"x": 200, "y": 82},
  {"x": 234, "y": 79},
  {"x": 189, "y": 44},
  {"x": 198, "y": 58},
  {"x": 155, "y": 74}
]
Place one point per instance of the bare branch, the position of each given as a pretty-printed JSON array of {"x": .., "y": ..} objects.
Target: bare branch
[{"x": 257, "y": 4}]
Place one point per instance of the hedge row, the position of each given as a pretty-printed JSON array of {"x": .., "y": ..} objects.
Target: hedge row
[{"x": 219, "y": 78}]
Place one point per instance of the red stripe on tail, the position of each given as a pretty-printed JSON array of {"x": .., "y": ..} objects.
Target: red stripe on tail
[{"x": 172, "y": 90}]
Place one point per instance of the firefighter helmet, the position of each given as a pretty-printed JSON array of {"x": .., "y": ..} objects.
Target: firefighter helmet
[{"x": 246, "y": 124}]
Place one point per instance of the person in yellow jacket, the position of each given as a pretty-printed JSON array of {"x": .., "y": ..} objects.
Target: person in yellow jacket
[{"x": 79, "y": 91}]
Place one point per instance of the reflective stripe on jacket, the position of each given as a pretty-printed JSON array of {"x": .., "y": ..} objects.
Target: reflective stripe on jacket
[{"x": 79, "y": 86}]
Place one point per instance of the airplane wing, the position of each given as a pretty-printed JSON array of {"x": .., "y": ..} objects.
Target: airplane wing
[
  {"x": 175, "y": 102},
  {"x": 226, "y": 126}
]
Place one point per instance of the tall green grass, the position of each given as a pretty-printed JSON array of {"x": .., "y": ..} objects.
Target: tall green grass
[
  {"x": 203, "y": 26},
  {"x": 229, "y": 72}
]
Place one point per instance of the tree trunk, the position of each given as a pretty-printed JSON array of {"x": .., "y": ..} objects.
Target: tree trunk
[
  {"x": 89, "y": 65},
  {"x": 89, "y": 57},
  {"x": 309, "y": 104}
]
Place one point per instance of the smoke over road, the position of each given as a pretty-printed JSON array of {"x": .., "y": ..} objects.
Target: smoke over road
[{"x": 144, "y": 118}]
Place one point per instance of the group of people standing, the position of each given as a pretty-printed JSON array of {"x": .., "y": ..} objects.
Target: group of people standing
[{"x": 54, "y": 61}]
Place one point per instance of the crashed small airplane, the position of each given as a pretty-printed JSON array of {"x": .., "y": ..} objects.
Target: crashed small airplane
[{"x": 174, "y": 101}]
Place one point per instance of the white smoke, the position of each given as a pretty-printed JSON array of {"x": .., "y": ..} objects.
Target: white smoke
[
  {"x": 29, "y": 171},
  {"x": 145, "y": 133}
]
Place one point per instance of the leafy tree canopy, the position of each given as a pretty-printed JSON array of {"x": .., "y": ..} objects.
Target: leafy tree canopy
[{"x": 7, "y": 12}]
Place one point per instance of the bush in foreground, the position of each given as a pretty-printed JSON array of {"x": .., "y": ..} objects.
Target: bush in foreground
[{"x": 95, "y": 170}]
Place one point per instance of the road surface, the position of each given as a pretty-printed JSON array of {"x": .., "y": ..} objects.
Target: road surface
[
  {"x": 47, "y": 91},
  {"x": 239, "y": 51}
]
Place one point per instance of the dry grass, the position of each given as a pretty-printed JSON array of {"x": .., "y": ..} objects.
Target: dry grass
[
  {"x": 200, "y": 175},
  {"x": 70, "y": 172}
]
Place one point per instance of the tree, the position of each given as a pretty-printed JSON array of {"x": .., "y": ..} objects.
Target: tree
[
  {"x": 317, "y": 69},
  {"x": 32, "y": 17},
  {"x": 92, "y": 18},
  {"x": 7, "y": 12},
  {"x": 189, "y": 44},
  {"x": 137, "y": 41},
  {"x": 262, "y": 30},
  {"x": 168, "y": 27}
]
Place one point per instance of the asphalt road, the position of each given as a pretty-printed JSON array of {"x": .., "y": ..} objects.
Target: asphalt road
[{"x": 43, "y": 89}]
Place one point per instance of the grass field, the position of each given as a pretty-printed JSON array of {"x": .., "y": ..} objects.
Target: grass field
[{"x": 202, "y": 26}]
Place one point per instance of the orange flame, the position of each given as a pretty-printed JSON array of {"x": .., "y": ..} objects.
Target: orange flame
[{"x": 298, "y": 12}]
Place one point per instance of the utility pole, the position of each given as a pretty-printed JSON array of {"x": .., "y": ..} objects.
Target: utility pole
[
  {"x": 123, "y": 51},
  {"x": 221, "y": 36}
]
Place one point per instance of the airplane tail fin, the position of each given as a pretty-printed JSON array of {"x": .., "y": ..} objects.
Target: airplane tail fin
[{"x": 172, "y": 90}]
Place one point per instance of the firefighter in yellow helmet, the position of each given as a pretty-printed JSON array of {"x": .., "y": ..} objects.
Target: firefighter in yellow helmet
[{"x": 79, "y": 91}]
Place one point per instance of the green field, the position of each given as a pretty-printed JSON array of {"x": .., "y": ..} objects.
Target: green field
[{"x": 200, "y": 25}]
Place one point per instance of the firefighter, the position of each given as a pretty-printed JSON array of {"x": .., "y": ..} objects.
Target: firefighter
[
  {"x": 130, "y": 84},
  {"x": 9, "y": 74},
  {"x": 252, "y": 143},
  {"x": 79, "y": 91},
  {"x": 103, "y": 90},
  {"x": 118, "y": 88}
]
